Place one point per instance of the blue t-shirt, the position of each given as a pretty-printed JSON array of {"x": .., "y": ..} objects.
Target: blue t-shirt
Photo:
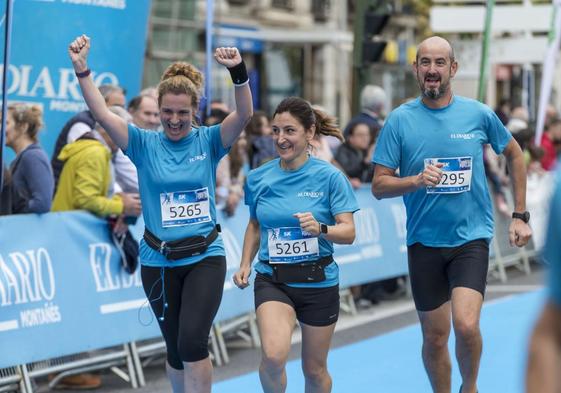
[
  {"x": 177, "y": 184},
  {"x": 275, "y": 194},
  {"x": 460, "y": 209},
  {"x": 552, "y": 249}
]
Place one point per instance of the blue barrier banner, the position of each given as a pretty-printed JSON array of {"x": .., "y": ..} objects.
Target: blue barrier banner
[
  {"x": 63, "y": 290},
  {"x": 40, "y": 71}
]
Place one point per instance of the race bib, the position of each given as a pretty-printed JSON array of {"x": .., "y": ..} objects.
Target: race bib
[
  {"x": 185, "y": 207},
  {"x": 291, "y": 245},
  {"x": 456, "y": 177}
]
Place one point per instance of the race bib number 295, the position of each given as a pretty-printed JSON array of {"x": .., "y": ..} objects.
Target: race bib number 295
[
  {"x": 456, "y": 175},
  {"x": 185, "y": 207}
]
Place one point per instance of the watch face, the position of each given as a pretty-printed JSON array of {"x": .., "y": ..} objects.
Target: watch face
[{"x": 323, "y": 228}]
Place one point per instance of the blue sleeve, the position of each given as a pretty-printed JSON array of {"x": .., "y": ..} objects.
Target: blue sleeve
[
  {"x": 497, "y": 134},
  {"x": 249, "y": 197},
  {"x": 215, "y": 139},
  {"x": 38, "y": 177},
  {"x": 388, "y": 146},
  {"x": 342, "y": 198},
  {"x": 135, "y": 145},
  {"x": 552, "y": 249}
]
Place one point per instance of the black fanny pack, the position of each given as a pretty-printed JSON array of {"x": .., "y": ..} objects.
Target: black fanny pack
[
  {"x": 181, "y": 248},
  {"x": 309, "y": 271}
]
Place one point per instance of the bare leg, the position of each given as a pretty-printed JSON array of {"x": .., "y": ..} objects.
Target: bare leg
[
  {"x": 198, "y": 376},
  {"x": 466, "y": 310},
  {"x": 175, "y": 378},
  {"x": 315, "y": 346},
  {"x": 276, "y": 322},
  {"x": 435, "y": 325}
]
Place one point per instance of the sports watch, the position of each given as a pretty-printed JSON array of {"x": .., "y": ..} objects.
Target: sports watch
[
  {"x": 323, "y": 228},
  {"x": 524, "y": 216}
]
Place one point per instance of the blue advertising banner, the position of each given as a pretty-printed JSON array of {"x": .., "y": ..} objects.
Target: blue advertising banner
[
  {"x": 61, "y": 278},
  {"x": 40, "y": 71}
]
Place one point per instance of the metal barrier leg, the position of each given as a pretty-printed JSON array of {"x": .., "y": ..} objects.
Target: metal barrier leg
[
  {"x": 347, "y": 301},
  {"x": 130, "y": 366},
  {"x": 408, "y": 289},
  {"x": 499, "y": 262},
  {"x": 221, "y": 343},
  {"x": 525, "y": 262},
  {"x": 137, "y": 364},
  {"x": 215, "y": 348},
  {"x": 25, "y": 383},
  {"x": 254, "y": 331}
]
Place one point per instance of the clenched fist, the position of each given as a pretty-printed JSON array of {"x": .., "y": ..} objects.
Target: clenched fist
[
  {"x": 78, "y": 51},
  {"x": 228, "y": 57}
]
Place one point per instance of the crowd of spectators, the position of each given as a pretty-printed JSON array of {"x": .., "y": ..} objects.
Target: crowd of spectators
[{"x": 539, "y": 158}]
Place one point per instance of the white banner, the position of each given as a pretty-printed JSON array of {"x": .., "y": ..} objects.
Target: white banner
[{"x": 548, "y": 69}]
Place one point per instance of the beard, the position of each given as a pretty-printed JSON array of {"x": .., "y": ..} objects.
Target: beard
[{"x": 434, "y": 93}]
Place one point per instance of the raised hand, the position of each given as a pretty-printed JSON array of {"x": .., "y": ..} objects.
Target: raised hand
[
  {"x": 228, "y": 57},
  {"x": 78, "y": 51}
]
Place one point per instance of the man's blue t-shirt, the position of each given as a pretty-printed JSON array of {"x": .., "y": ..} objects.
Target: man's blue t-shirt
[
  {"x": 459, "y": 209},
  {"x": 177, "y": 185},
  {"x": 552, "y": 249},
  {"x": 274, "y": 195}
]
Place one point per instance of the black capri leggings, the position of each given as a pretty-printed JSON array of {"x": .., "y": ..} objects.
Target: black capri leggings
[{"x": 193, "y": 294}]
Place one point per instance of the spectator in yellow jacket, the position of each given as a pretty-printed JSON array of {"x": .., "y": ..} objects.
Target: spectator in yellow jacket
[{"x": 86, "y": 179}]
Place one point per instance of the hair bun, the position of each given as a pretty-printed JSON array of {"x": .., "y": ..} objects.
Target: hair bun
[
  {"x": 36, "y": 110},
  {"x": 184, "y": 69}
]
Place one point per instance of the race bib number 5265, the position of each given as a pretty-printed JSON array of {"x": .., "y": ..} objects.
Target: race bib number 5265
[{"x": 185, "y": 207}]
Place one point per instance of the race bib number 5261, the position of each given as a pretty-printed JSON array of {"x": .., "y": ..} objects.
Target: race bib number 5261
[
  {"x": 185, "y": 207},
  {"x": 291, "y": 244}
]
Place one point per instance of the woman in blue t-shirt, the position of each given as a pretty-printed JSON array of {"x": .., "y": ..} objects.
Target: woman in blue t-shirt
[
  {"x": 182, "y": 257},
  {"x": 299, "y": 206}
]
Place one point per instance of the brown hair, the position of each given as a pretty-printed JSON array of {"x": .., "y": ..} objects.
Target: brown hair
[
  {"x": 27, "y": 115},
  {"x": 181, "y": 78},
  {"x": 308, "y": 116},
  {"x": 252, "y": 128}
]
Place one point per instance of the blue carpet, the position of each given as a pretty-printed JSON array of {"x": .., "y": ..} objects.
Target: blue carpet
[{"x": 391, "y": 363}]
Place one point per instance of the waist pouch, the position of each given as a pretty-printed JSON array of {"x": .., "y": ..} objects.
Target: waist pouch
[
  {"x": 181, "y": 248},
  {"x": 301, "y": 272}
]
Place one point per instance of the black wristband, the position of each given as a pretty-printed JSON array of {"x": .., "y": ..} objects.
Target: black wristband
[
  {"x": 239, "y": 74},
  {"x": 83, "y": 74}
]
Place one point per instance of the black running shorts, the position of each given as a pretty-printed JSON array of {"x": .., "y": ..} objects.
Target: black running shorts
[
  {"x": 313, "y": 306},
  {"x": 436, "y": 271}
]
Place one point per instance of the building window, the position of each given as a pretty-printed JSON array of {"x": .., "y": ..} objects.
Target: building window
[
  {"x": 320, "y": 10},
  {"x": 284, "y": 4}
]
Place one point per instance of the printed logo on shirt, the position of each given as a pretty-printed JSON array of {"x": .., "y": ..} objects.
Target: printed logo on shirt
[
  {"x": 462, "y": 136},
  {"x": 200, "y": 157},
  {"x": 310, "y": 194}
]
